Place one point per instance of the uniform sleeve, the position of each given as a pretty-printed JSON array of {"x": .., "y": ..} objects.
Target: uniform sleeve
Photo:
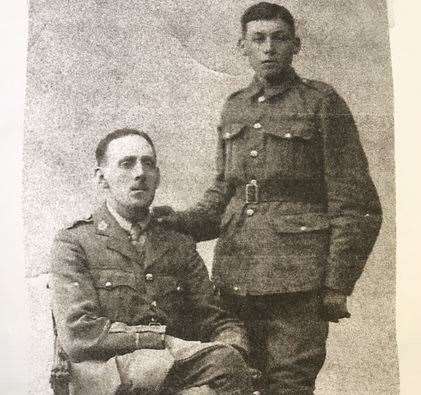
[
  {"x": 202, "y": 221},
  {"x": 216, "y": 324},
  {"x": 353, "y": 202},
  {"x": 83, "y": 331}
]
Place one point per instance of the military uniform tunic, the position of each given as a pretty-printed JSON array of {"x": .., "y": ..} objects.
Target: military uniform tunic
[
  {"x": 296, "y": 212},
  {"x": 110, "y": 299},
  {"x": 317, "y": 213}
]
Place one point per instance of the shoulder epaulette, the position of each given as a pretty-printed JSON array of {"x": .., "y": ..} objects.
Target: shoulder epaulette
[
  {"x": 84, "y": 220},
  {"x": 320, "y": 86}
]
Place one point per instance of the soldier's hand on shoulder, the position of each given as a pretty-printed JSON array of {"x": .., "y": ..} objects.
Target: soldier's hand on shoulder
[
  {"x": 162, "y": 211},
  {"x": 165, "y": 215},
  {"x": 334, "y": 306}
]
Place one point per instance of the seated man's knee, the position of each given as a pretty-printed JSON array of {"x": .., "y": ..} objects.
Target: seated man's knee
[{"x": 232, "y": 362}]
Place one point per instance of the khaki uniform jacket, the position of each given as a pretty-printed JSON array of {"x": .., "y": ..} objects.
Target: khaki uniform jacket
[
  {"x": 105, "y": 294},
  {"x": 318, "y": 213}
]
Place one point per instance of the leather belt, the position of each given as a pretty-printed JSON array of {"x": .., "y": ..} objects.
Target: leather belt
[{"x": 311, "y": 191}]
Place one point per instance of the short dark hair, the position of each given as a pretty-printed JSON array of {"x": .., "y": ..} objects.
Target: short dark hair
[
  {"x": 101, "y": 149},
  {"x": 266, "y": 11}
]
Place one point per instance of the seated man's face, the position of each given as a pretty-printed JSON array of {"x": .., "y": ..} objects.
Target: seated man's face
[
  {"x": 129, "y": 175},
  {"x": 270, "y": 46}
]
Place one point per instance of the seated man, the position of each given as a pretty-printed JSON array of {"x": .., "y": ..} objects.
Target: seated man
[{"x": 134, "y": 307}]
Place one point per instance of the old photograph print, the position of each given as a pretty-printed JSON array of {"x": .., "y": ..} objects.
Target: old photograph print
[{"x": 166, "y": 67}]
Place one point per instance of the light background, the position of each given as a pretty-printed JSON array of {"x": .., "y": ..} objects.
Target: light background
[{"x": 350, "y": 350}]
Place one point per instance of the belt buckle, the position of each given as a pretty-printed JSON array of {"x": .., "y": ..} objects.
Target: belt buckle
[{"x": 252, "y": 192}]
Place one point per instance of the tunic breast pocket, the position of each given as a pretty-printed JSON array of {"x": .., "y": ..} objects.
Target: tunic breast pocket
[
  {"x": 305, "y": 235},
  {"x": 234, "y": 141},
  {"x": 170, "y": 294},
  {"x": 117, "y": 293},
  {"x": 293, "y": 149}
]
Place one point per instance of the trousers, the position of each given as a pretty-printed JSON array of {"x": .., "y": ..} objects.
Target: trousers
[
  {"x": 221, "y": 370},
  {"x": 203, "y": 368},
  {"x": 287, "y": 338}
]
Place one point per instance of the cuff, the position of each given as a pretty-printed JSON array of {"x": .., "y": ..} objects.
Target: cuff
[{"x": 145, "y": 336}]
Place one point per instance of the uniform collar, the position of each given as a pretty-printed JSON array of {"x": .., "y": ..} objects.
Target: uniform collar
[
  {"x": 259, "y": 87},
  {"x": 124, "y": 223},
  {"x": 158, "y": 240}
]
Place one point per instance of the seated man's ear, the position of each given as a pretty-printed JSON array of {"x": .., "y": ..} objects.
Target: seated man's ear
[
  {"x": 158, "y": 175},
  {"x": 99, "y": 175}
]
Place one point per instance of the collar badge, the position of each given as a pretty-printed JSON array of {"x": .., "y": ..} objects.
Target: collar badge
[{"x": 102, "y": 226}]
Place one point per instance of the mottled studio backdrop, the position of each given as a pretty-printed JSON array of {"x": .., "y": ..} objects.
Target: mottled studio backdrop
[{"x": 166, "y": 66}]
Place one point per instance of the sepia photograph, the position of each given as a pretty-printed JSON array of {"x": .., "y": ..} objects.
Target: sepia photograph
[{"x": 208, "y": 197}]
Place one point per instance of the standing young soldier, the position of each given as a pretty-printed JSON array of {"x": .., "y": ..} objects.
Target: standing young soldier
[{"x": 297, "y": 209}]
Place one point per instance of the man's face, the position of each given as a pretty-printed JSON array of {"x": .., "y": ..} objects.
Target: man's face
[
  {"x": 129, "y": 174},
  {"x": 270, "y": 46}
]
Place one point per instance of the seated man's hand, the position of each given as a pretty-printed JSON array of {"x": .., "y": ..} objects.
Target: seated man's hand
[
  {"x": 179, "y": 347},
  {"x": 172, "y": 342},
  {"x": 334, "y": 306}
]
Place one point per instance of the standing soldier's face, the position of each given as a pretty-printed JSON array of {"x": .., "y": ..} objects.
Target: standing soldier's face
[
  {"x": 129, "y": 175},
  {"x": 270, "y": 46}
]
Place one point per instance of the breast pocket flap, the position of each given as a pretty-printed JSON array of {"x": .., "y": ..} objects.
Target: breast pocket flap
[
  {"x": 109, "y": 279},
  {"x": 231, "y": 130},
  {"x": 289, "y": 130}
]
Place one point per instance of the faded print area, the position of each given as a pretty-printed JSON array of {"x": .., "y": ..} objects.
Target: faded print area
[{"x": 167, "y": 67}]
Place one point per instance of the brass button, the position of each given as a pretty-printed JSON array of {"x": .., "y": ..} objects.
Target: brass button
[
  {"x": 367, "y": 215},
  {"x": 303, "y": 228},
  {"x": 257, "y": 125},
  {"x": 179, "y": 288},
  {"x": 261, "y": 99},
  {"x": 236, "y": 289},
  {"x": 253, "y": 153},
  {"x": 153, "y": 304},
  {"x": 149, "y": 277},
  {"x": 287, "y": 135},
  {"x": 249, "y": 212},
  {"x": 108, "y": 284},
  {"x": 153, "y": 319}
]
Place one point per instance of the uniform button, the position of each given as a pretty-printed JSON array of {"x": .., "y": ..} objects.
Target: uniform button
[
  {"x": 253, "y": 153},
  {"x": 153, "y": 319},
  {"x": 108, "y": 284},
  {"x": 179, "y": 289},
  {"x": 149, "y": 277},
  {"x": 257, "y": 125},
  {"x": 227, "y": 135},
  {"x": 287, "y": 135},
  {"x": 303, "y": 228},
  {"x": 249, "y": 212},
  {"x": 256, "y": 393},
  {"x": 153, "y": 304},
  {"x": 261, "y": 99},
  {"x": 236, "y": 289},
  {"x": 367, "y": 215}
]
